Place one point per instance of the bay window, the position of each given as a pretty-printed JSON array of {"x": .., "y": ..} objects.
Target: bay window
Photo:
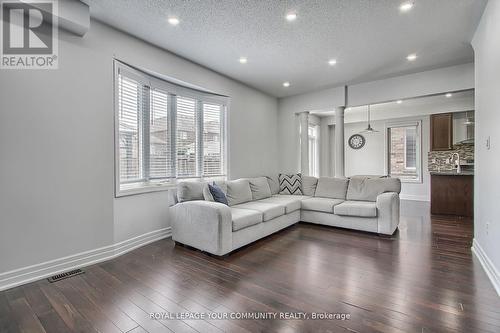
[{"x": 165, "y": 132}]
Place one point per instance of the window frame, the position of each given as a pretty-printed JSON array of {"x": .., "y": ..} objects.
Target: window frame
[
  {"x": 173, "y": 90},
  {"x": 418, "y": 143}
]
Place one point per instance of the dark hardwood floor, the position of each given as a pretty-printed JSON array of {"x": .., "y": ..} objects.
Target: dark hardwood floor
[{"x": 423, "y": 279}]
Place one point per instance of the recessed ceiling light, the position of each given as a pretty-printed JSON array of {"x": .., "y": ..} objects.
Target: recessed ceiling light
[
  {"x": 291, "y": 16},
  {"x": 406, "y": 6},
  {"x": 243, "y": 60},
  {"x": 411, "y": 57},
  {"x": 286, "y": 84},
  {"x": 399, "y": 101},
  {"x": 332, "y": 62},
  {"x": 173, "y": 20},
  {"x": 448, "y": 95}
]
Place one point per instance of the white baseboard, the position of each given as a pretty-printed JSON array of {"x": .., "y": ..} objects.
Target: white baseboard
[
  {"x": 488, "y": 266},
  {"x": 35, "y": 272},
  {"x": 414, "y": 197}
]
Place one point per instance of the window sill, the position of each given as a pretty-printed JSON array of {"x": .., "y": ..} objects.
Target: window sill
[{"x": 142, "y": 188}]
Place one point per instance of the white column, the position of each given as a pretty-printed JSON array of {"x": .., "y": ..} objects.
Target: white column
[
  {"x": 339, "y": 142},
  {"x": 304, "y": 143}
]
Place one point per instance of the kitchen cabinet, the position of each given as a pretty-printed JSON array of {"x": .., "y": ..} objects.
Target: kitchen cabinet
[
  {"x": 442, "y": 131},
  {"x": 452, "y": 194}
]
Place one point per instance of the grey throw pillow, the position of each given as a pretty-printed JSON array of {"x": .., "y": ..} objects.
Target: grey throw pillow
[
  {"x": 207, "y": 195},
  {"x": 334, "y": 188},
  {"x": 290, "y": 184}
]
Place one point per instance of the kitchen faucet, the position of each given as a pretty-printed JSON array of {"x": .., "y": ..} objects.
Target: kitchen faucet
[{"x": 459, "y": 168}]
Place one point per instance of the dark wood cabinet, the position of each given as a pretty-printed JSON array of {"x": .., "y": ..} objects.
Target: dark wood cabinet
[
  {"x": 442, "y": 131},
  {"x": 452, "y": 195}
]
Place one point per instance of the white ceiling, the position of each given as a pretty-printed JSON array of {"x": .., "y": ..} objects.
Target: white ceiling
[{"x": 369, "y": 38}]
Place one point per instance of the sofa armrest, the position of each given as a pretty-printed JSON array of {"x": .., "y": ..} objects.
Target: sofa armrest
[
  {"x": 204, "y": 225},
  {"x": 388, "y": 212}
]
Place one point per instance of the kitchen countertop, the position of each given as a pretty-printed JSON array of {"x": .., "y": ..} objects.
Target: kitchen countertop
[{"x": 452, "y": 173}]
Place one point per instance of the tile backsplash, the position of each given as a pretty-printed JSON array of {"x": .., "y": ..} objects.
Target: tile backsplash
[{"x": 465, "y": 150}]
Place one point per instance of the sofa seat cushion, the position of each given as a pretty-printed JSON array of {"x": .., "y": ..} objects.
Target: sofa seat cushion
[
  {"x": 289, "y": 201},
  {"x": 268, "y": 210},
  {"x": 243, "y": 218},
  {"x": 321, "y": 204},
  {"x": 356, "y": 208},
  {"x": 296, "y": 197}
]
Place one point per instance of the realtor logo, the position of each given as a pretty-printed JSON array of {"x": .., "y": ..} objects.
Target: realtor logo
[{"x": 29, "y": 34}]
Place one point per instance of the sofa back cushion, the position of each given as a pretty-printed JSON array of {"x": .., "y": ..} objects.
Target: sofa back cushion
[
  {"x": 290, "y": 184},
  {"x": 367, "y": 188},
  {"x": 309, "y": 185},
  {"x": 273, "y": 185},
  {"x": 260, "y": 188},
  {"x": 238, "y": 191},
  {"x": 188, "y": 191},
  {"x": 334, "y": 188}
]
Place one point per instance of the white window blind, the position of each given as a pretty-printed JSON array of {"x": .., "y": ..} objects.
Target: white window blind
[
  {"x": 160, "y": 145},
  {"x": 187, "y": 148},
  {"x": 130, "y": 140},
  {"x": 411, "y": 148},
  {"x": 165, "y": 132},
  {"x": 212, "y": 140}
]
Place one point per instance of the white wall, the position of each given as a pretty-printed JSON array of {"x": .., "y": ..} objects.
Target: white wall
[
  {"x": 57, "y": 150},
  {"x": 437, "y": 81},
  {"x": 487, "y": 190}
]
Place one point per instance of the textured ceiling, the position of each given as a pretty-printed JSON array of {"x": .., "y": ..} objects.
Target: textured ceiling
[{"x": 369, "y": 38}]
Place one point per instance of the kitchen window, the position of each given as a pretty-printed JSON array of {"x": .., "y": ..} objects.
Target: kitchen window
[{"x": 404, "y": 151}]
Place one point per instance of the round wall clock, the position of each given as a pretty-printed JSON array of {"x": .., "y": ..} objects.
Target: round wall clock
[{"x": 356, "y": 141}]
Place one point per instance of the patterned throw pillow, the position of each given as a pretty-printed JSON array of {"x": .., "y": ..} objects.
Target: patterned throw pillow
[{"x": 290, "y": 184}]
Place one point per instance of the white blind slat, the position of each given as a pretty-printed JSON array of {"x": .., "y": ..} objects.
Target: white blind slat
[{"x": 212, "y": 140}]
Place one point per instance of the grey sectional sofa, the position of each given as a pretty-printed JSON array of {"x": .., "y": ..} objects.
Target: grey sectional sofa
[{"x": 256, "y": 209}]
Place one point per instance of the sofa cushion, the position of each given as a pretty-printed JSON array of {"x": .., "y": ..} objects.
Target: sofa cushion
[
  {"x": 238, "y": 191},
  {"x": 289, "y": 201},
  {"x": 243, "y": 218},
  {"x": 297, "y": 197},
  {"x": 260, "y": 188},
  {"x": 309, "y": 185},
  {"x": 367, "y": 189},
  {"x": 334, "y": 188},
  {"x": 290, "y": 184},
  {"x": 321, "y": 204},
  {"x": 356, "y": 208},
  {"x": 273, "y": 185},
  {"x": 269, "y": 210},
  {"x": 189, "y": 191}
]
